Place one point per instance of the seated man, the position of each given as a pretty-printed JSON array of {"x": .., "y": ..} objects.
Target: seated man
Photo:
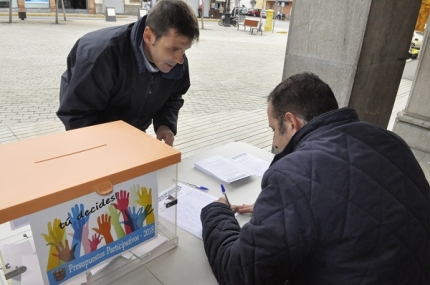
[{"x": 344, "y": 202}]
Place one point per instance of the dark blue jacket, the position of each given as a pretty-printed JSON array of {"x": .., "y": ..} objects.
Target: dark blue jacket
[
  {"x": 345, "y": 203},
  {"x": 106, "y": 80}
]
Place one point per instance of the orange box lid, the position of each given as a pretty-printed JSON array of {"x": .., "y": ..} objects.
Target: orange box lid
[{"x": 42, "y": 172}]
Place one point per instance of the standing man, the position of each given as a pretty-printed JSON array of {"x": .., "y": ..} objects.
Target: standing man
[
  {"x": 199, "y": 10},
  {"x": 344, "y": 202},
  {"x": 136, "y": 73},
  {"x": 221, "y": 10}
]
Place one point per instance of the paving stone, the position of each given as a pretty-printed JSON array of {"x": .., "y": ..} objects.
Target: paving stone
[{"x": 231, "y": 70}]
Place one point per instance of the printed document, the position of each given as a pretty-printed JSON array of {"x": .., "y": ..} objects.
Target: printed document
[
  {"x": 190, "y": 203},
  {"x": 232, "y": 169},
  {"x": 251, "y": 163}
]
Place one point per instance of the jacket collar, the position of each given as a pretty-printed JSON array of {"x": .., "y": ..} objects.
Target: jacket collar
[
  {"x": 136, "y": 40},
  {"x": 318, "y": 125}
]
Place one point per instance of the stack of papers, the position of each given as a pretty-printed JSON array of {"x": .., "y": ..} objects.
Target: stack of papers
[
  {"x": 232, "y": 169},
  {"x": 190, "y": 204}
]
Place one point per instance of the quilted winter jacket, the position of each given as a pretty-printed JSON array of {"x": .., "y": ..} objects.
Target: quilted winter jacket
[
  {"x": 345, "y": 202},
  {"x": 106, "y": 80}
]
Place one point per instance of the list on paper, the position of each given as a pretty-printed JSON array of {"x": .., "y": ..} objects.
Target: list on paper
[
  {"x": 222, "y": 168},
  {"x": 251, "y": 163},
  {"x": 232, "y": 169},
  {"x": 190, "y": 204}
]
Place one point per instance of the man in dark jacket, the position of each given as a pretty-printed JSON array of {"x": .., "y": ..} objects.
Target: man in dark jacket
[
  {"x": 136, "y": 73},
  {"x": 344, "y": 202}
]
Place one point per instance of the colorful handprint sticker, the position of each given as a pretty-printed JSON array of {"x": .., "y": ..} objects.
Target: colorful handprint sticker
[{"x": 74, "y": 236}]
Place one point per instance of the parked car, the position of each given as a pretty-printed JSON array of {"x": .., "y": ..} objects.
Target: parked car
[
  {"x": 254, "y": 12},
  {"x": 242, "y": 10},
  {"x": 263, "y": 13},
  {"x": 417, "y": 39}
]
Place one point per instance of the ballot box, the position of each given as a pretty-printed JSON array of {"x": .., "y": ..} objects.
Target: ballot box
[{"x": 81, "y": 207}]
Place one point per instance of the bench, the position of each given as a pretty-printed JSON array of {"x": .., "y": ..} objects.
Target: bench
[
  {"x": 248, "y": 23},
  {"x": 259, "y": 29}
]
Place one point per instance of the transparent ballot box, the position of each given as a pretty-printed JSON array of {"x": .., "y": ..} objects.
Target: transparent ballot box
[{"x": 81, "y": 207}]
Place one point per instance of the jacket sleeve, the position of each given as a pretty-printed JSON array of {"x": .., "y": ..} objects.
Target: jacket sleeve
[
  {"x": 84, "y": 91},
  {"x": 168, "y": 115},
  {"x": 268, "y": 249}
]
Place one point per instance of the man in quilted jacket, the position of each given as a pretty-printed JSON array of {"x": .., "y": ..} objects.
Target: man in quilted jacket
[{"x": 343, "y": 202}]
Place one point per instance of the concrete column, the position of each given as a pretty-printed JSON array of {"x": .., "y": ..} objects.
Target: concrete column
[
  {"x": 413, "y": 123},
  {"x": 358, "y": 47}
]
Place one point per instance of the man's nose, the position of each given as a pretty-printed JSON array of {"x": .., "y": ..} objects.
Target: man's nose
[
  {"x": 179, "y": 57},
  {"x": 275, "y": 149}
]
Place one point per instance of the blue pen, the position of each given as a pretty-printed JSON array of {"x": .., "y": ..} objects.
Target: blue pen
[
  {"x": 193, "y": 185},
  {"x": 225, "y": 195}
]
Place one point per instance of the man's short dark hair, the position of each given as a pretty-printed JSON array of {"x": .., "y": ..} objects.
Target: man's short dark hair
[
  {"x": 305, "y": 95},
  {"x": 173, "y": 14}
]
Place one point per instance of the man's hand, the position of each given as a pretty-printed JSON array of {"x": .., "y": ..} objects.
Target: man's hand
[
  {"x": 224, "y": 201},
  {"x": 164, "y": 133},
  {"x": 243, "y": 209}
]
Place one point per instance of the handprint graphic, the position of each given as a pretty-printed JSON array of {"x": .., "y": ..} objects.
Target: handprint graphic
[
  {"x": 55, "y": 236},
  {"x": 145, "y": 200}
]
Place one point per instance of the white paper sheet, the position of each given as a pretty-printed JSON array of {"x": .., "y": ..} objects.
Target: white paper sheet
[
  {"x": 13, "y": 253},
  {"x": 127, "y": 254},
  {"x": 78, "y": 280},
  {"x": 251, "y": 163},
  {"x": 189, "y": 207},
  {"x": 33, "y": 275},
  {"x": 223, "y": 168}
]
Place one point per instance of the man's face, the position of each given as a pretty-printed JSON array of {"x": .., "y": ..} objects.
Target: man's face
[
  {"x": 280, "y": 137},
  {"x": 167, "y": 51}
]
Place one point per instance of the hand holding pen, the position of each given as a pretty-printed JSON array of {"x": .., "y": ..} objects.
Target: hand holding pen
[
  {"x": 225, "y": 195},
  {"x": 233, "y": 208}
]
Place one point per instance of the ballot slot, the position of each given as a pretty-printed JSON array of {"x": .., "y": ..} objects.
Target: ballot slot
[{"x": 72, "y": 153}]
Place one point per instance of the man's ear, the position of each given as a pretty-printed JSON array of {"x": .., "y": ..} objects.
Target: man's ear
[
  {"x": 148, "y": 36},
  {"x": 294, "y": 123}
]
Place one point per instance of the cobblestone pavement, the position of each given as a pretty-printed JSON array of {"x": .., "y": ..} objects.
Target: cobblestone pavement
[
  {"x": 231, "y": 73},
  {"x": 231, "y": 70}
]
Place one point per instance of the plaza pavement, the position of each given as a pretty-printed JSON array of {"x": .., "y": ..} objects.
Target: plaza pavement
[{"x": 231, "y": 72}]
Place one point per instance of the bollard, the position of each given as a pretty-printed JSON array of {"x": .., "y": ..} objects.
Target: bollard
[
  {"x": 142, "y": 13},
  {"x": 110, "y": 14}
]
